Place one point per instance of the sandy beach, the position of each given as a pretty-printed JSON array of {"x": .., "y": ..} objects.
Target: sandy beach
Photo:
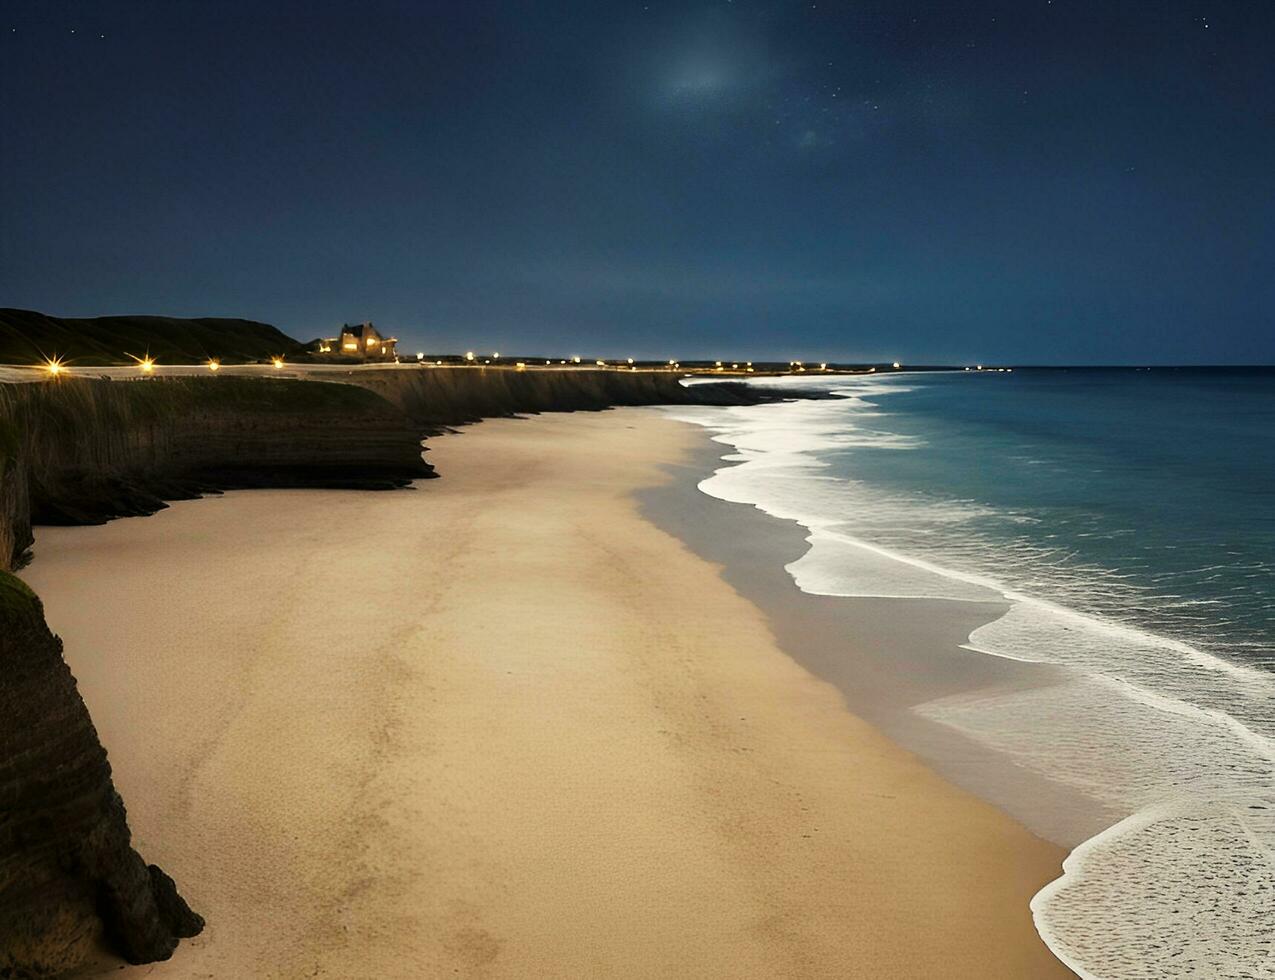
[{"x": 503, "y": 725}]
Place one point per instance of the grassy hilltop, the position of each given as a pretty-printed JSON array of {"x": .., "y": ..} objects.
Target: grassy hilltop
[{"x": 27, "y": 337}]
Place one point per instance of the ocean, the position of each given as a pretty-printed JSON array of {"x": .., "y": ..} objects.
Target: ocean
[{"x": 1128, "y": 516}]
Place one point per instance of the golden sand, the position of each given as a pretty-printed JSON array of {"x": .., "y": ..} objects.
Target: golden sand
[{"x": 501, "y": 726}]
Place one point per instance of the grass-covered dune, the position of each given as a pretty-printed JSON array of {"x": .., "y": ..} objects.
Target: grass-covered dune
[{"x": 27, "y": 337}]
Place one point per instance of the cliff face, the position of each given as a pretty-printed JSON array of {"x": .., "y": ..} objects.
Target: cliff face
[
  {"x": 440, "y": 397},
  {"x": 83, "y": 452},
  {"x": 67, "y": 871},
  {"x": 78, "y": 451}
]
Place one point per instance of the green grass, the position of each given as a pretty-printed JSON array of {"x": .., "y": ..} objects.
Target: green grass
[{"x": 16, "y": 597}]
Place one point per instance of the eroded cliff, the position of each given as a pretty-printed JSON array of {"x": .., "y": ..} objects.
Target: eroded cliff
[
  {"x": 84, "y": 451},
  {"x": 68, "y": 873},
  {"x": 78, "y": 451}
]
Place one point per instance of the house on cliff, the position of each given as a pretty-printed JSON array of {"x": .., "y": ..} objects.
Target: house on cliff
[{"x": 360, "y": 340}]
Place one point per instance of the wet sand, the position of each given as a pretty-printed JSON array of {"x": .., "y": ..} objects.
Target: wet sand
[
  {"x": 887, "y": 656},
  {"x": 504, "y": 726}
]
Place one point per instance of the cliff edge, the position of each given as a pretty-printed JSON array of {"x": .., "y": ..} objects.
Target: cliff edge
[{"x": 68, "y": 873}]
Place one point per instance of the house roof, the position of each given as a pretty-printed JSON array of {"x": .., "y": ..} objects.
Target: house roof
[{"x": 360, "y": 329}]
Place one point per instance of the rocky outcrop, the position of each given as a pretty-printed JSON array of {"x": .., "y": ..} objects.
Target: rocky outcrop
[{"x": 68, "y": 874}]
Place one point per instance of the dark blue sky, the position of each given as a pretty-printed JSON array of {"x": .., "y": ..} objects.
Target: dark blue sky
[{"x": 1025, "y": 180}]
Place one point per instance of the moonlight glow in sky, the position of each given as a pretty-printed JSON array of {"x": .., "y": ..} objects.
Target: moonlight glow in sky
[{"x": 1024, "y": 180}]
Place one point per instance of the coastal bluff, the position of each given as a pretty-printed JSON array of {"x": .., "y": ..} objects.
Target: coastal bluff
[
  {"x": 85, "y": 451},
  {"x": 68, "y": 875}
]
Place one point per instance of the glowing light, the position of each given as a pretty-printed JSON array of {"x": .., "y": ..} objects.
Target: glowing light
[
  {"x": 53, "y": 365},
  {"x": 575, "y": 359},
  {"x": 896, "y": 365},
  {"x": 630, "y": 360},
  {"x": 469, "y": 355},
  {"x": 278, "y": 363},
  {"x": 600, "y": 363},
  {"x": 214, "y": 365},
  {"x": 351, "y": 345},
  {"x": 145, "y": 364},
  {"x": 520, "y": 366},
  {"x": 823, "y": 366},
  {"x": 420, "y": 356}
]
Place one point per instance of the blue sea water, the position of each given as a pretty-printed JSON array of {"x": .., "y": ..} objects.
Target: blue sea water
[{"x": 1129, "y": 518}]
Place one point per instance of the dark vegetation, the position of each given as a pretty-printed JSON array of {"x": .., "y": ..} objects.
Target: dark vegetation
[{"x": 27, "y": 337}]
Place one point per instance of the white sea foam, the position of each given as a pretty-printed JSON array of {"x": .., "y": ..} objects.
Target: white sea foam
[{"x": 1181, "y": 740}]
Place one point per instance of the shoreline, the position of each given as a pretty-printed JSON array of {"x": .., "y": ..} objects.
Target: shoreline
[
  {"x": 903, "y": 653},
  {"x": 557, "y": 741}
]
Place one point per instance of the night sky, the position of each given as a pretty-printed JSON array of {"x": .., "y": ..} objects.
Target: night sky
[{"x": 1020, "y": 181}]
